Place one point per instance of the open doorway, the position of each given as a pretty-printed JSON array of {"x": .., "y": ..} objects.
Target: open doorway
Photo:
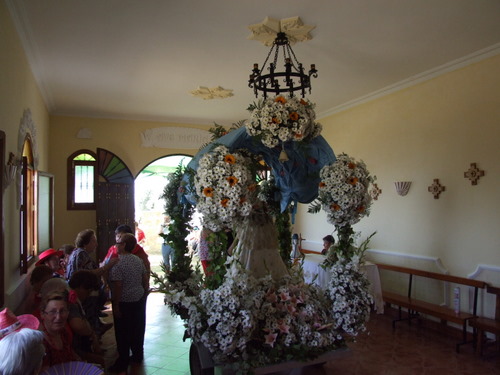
[{"x": 149, "y": 208}]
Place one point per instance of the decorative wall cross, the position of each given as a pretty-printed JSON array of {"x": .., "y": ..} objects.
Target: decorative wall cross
[
  {"x": 473, "y": 174},
  {"x": 436, "y": 188}
]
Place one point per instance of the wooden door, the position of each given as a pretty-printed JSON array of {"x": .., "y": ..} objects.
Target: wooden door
[{"x": 115, "y": 199}]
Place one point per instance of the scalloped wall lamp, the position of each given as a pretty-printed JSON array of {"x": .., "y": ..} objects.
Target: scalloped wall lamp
[{"x": 402, "y": 187}]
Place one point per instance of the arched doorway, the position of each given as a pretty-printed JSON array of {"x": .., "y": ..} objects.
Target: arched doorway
[{"x": 149, "y": 208}]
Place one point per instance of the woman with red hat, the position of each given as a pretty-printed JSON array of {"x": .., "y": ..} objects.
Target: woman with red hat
[
  {"x": 52, "y": 259},
  {"x": 21, "y": 344}
]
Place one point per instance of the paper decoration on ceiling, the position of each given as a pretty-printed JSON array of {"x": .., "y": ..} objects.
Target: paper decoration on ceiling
[
  {"x": 402, "y": 187},
  {"x": 266, "y": 31},
  {"x": 214, "y": 93},
  {"x": 436, "y": 188},
  {"x": 375, "y": 191},
  {"x": 473, "y": 174}
]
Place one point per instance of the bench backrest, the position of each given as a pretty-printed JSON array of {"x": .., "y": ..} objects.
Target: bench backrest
[
  {"x": 495, "y": 290},
  {"x": 434, "y": 275},
  {"x": 477, "y": 284}
]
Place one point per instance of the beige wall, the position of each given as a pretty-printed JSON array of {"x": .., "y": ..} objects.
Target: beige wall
[
  {"x": 18, "y": 92},
  {"x": 123, "y": 138},
  {"x": 431, "y": 130}
]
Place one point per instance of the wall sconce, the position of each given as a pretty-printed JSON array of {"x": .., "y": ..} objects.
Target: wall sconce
[
  {"x": 10, "y": 171},
  {"x": 402, "y": 187}
]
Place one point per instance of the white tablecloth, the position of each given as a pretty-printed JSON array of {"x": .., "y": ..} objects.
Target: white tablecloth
[{"x": 312, "y": 267}]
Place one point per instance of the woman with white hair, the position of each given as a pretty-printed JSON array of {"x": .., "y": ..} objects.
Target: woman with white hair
[{"x": 21, "y": 352}]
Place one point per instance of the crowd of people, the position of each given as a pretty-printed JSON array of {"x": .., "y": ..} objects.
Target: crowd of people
[{"x": 70, "y": 293}]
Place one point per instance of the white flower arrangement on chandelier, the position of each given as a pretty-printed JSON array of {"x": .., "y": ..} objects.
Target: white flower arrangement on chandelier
[
  {"x": 282, "y": 119},
  {"x": 225, "y": 188},
  {"x": 343, "y": 191}
]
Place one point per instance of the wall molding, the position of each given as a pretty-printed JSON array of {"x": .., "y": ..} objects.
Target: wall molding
[
  {"x": 435, "y": 260},
  {"x": 483, "y": 267},
  {"x": 416, "y": 79}
]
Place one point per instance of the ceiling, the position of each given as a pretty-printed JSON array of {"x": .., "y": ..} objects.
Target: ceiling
[{"x": 139, "y": 60}]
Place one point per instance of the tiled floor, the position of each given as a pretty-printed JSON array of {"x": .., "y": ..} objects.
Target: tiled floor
[
  {"x": 407, "y": 350},
  {"x": 164, "y": 351}
]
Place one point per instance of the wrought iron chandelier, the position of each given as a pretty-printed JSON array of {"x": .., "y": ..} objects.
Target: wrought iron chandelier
[{"x": 292, "y": 79}]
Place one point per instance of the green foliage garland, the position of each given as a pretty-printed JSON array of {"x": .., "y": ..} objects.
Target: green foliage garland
[{"x": 180, "y": 215}]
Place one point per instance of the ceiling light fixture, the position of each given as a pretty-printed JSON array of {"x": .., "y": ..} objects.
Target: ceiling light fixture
[{"x": 292, "y": 79}]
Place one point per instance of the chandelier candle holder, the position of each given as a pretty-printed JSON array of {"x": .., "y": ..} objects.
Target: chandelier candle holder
[
  {"x": 293, "y": 78},
  {"x": 402, "y": 187}
]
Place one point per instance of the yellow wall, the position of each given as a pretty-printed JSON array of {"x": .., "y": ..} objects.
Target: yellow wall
[
  {"x": 18, "y": 92},
  {"x": 123, "y": 138},
  {"x": 432, "y": 130}
]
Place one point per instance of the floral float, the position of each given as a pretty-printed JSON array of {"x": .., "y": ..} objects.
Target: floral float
[
  {"x": 248, "y": 323},
  {"x": 251, "y": 319}
]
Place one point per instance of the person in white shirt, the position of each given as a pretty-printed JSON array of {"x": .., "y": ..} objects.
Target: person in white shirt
[{"x": 130, "y": 287}]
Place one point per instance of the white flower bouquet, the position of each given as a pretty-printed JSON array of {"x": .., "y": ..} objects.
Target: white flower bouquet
[
  {"x": 343, "y": 191},
  {"x": 282, "y": 119},
  {"x": 348, "y": 291},
  {"x": 225, "y": 187},
  {"x": 247, "y": 323}
]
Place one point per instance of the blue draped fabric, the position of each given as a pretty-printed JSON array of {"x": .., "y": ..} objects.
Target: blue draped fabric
[{"x": 297, "y": 178}]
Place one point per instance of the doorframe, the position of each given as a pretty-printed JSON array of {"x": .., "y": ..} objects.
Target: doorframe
[{"x": 2, "y": 247}]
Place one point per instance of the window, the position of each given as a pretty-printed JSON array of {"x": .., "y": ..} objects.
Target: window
[
  {"x": 45, "y": 211},
  {"x": 82, "y": 176}
]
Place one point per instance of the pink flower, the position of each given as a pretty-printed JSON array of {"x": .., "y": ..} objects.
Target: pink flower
[
  {"x": 284, "y": 296},
  {"x": 291, "y": 309},
  {"x": 284, "y": 328},
  {"x": 271, "y": 339},
  {"x": 271, "y": 297}
]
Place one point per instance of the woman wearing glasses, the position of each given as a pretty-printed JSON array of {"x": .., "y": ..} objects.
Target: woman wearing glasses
[{"x": 58, "y": 337}]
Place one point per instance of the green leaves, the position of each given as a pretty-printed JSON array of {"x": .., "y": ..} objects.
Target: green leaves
[
  {"x": 217, "y": 245},
  {"x": 314, "y": 207}
]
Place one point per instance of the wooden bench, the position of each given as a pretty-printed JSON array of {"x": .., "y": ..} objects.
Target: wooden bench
[
  {"x": 482, "y": 325},
  {"x": 416, "y": 307},
  {"x": 305, "y": 251}
]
